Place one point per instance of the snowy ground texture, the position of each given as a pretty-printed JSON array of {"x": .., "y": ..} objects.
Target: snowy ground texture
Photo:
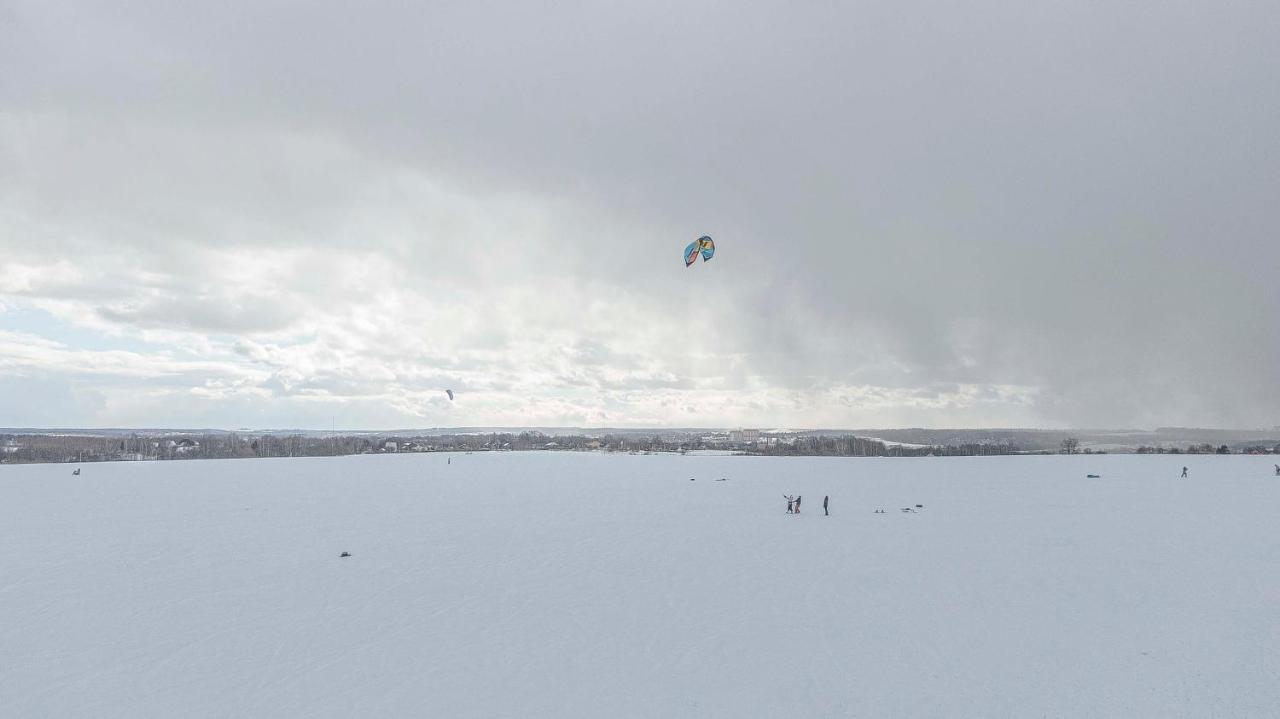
[{"x": 590, "y": 585}]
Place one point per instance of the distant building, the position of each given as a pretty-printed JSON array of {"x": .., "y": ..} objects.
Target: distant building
[
  {"x": 750, "y": 435},
  {"x": 390, "y": 446}
]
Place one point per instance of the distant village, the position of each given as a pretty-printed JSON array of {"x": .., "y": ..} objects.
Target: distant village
[
  {"x": 22, "y": 448},
  {"x": 86, "y": 447}
]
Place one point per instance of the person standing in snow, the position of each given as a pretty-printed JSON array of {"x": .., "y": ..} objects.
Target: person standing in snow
[
  {"x": 1184, "y": 471},
  {"x": 1278, "y": 470},
  {"x": 825, "y": 499},
  {"x": 791, "y": 503},
  {"x": 798, "y": 504}
]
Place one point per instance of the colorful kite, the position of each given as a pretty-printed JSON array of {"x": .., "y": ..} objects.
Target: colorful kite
[{"x": 703, "y": 245}]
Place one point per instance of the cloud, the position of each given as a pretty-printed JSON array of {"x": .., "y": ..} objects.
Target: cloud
[{"x": 1030, "y": 215}]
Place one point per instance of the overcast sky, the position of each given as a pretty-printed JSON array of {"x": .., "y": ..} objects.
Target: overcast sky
[{"x": 927, "y": 214}]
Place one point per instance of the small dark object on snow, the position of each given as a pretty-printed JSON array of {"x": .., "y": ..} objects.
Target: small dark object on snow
[
  {"x": 691, "y": 479},
  {"x": 879, "y": 511},
  {"x": 723, "y": 479},
  {"x": 1094, "y": 476},
  {"x": 920, "y": 506},
  {"x": 77, "y": 472},
  {"x": 345, "y": 554}
]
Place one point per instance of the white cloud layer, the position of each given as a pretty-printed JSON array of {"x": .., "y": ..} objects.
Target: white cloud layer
[{"x": 312, "y": 214}]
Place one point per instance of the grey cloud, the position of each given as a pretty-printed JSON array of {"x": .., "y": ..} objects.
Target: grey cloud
[
  {"x": 205, "y": 314},
  {"x": 1074, "y": 199}
]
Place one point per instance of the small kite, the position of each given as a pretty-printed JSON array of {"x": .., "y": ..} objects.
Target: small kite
[
  {"x": 450, "y": 393},
  {"x": 703, "y": 245}
]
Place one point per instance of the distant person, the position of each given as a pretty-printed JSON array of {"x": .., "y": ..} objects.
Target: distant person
[
  {"x": 825, "y": 513},
  {"x": 791, "y": 503},
  {"x": 1184, "y": 471},
  {"x": 798, "y": 498},
  {"x": 1278, "y": 470}
]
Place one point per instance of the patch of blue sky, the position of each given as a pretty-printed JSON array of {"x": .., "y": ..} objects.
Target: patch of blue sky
[{"x": 16, "y": 317}]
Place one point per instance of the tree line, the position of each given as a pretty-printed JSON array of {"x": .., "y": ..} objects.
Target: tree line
[{"x": 39, "y": 448}]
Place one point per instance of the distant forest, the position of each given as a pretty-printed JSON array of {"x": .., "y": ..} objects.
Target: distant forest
[
  {"x": 29, "y": 448},
  {"x": 69, "y": 446}
]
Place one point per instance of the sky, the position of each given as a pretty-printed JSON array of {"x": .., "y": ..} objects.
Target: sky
[{"x": 325, "y": 214}]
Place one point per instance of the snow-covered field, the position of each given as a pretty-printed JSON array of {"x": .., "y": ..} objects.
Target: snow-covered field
[{"x": 590, "y": 585}]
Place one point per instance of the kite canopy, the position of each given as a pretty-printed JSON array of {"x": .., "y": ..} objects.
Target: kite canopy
[
  {"x": 450, "y": 393},
  {"x": 703, "y": 245}
]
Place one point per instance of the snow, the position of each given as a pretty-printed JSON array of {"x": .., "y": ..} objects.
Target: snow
[
  {"x": 585, "y": 585},
  {"x": 905, "y": 445}
]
